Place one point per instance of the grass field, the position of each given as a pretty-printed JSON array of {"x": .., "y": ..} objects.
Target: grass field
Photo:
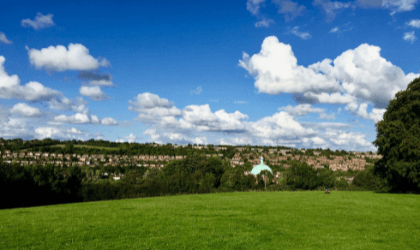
[{"x": 258, "y": 220}]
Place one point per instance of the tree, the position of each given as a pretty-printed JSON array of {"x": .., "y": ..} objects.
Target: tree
[{"x": 398, "y": 141}]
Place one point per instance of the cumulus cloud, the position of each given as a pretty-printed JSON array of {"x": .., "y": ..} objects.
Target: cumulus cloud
[
  {"x": 415, "y": 23},
  {"x": 264, "y": 23},
  {"x": 59, "y": 133},
  {"x": 33, "y": 91},
  {"x": 3, "y": 39},
  {"x": 303, "y": 35},
  {"x": 365, "y": 74},
  {"x": 275, "y": 70},
  {"x": 362, "y": 72},
  {"x": 25, "y": 110},
  {"x": 290, "y": 9},
  {"x": 280, "y": 124},
  {"x": 151, "y": 107},
  {"x": 96, "y": 79},
  {"x": 84, "y": 118},
  {"x": 202, "y": 119},
  {"x": 131, "y": 138},
  {"x": 108, "y": 121},
  {"x": 196, "y": 91},
  {"x": 94, "y": 93},
  {"x": 376, "y": 115},
  {"x": 301, "y": 109},
  {"x": 253, "y": 6},
  {"x": 399, "y": 5},
  {"x": 40, "y": 21},
  {"x": 409, "y": 37},
  {"x": 354, "y": 140},
  {"x": 334, "y": 30},
  {"x": 66, "y": 104},
  {"x": 59, "y": 58},
  {"x": 15, "y": 128}
]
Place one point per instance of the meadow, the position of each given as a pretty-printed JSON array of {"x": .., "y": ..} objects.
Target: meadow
[{"x": 240, "y": 220}]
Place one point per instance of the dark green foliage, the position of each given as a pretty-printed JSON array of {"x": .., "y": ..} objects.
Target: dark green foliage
[
  {"x": 398, "y": 141},
  {"x": 301, "y": 176},
  {"x": 367, "y": 180}
]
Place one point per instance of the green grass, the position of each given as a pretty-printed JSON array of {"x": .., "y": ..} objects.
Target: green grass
[{"x": 259, "y": 220}]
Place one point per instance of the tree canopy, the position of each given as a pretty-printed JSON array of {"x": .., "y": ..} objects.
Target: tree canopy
[{"x": 398, "y": 141}]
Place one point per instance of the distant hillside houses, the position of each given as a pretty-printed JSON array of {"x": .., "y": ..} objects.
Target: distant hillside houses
[{"x": 159, "y": 161}]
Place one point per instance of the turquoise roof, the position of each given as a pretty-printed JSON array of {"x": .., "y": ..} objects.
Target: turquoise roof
[{"x": 260, "y": 167}]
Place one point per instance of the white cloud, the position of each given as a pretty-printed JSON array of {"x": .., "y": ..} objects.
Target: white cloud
[
  {"x": 78, "y": 118},
  {"x": 375, "y": 116},
  {"x": 151, "y": 107},
  {"x": 303, "y": 35},
  {"x": 25, "y": 110},
  {"x": 131, "y": 138},
  {"x": 15, "y": 128},
  {"x": 264, "y": 23},
  {"x": 325, "y": 116},
  {"x": 78, "y": 105},
  {"x": 33, "y": 91},
  {"x": 94, "y": 93},
  {"x": 334, "y": 30},
  {"x": 330, "y": 8},
  {"x": 409, "y": 37},
  {"x": 301, "y": 109},
  {"x": 196, "y": 91},
  {"x": 200, "y": 118},
  {"x": 40, "y": 21},
  {"x": 253, "y": 6},
  {"x": 275, "y": 70},
  {"x": 59, "y": 58},
  {"x": 3, "y": 39},
  {"x": 415, "y": 23},
  {"x": 353, "y": 141},
  {"x": 83, "y": 118},
  {"x": 108, "y": 121},
  {"x": 362, "y": 72},
  {"x": 290, "y": 9},
  {"x": 280, "y": 124},
  {"x": 58, "y": 133},
  {"x": 399, "y": 5}
]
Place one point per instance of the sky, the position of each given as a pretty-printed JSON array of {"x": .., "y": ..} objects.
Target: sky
[{"x": 302, "y": 74}]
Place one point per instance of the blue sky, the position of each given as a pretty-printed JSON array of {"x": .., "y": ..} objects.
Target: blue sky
[{"x": 305, "y": 74}]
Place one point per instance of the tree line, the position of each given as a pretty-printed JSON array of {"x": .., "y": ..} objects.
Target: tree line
[{"x": 38, "y": 185}]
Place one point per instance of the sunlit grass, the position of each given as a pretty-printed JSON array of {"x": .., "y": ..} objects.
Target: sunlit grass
[{"x": 261, "y": 220}]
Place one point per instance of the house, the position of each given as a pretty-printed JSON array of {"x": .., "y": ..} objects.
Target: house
[{"x": 272, "y": 150}]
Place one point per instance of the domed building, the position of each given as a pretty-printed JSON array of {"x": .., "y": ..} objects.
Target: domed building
[{"x": 256, "y": 170}]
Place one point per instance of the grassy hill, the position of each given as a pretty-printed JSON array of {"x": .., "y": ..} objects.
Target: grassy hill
[{"x": 259, "y": 220}]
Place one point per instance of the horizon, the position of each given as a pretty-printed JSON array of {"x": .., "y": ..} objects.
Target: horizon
[{"x": 297, "y": 74}]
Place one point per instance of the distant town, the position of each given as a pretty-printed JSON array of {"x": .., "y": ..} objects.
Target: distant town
[{"x": 241, "y": 154}]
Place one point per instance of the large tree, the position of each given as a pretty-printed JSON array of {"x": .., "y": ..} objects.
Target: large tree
[{"x": 398, "y": 141}]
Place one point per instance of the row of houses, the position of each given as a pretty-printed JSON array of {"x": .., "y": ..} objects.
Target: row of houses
[{"x": 336, "y": 163}]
